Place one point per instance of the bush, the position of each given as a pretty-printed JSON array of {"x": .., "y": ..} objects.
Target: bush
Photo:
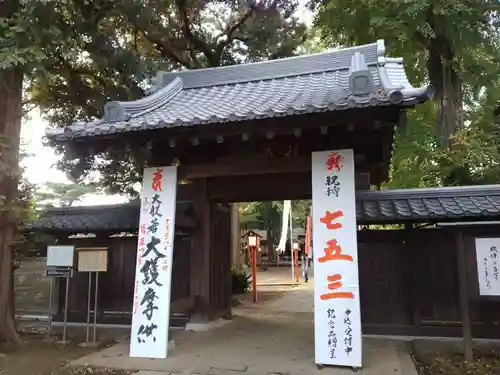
[{"x": 240, "y": 281}]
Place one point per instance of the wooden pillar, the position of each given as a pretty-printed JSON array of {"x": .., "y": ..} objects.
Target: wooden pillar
[
  {"x": 235, "y": 236},
  {"x": 220, "y": 263},
  {"x": 200, "y": 254},
  {"x": 463, "y": 294}
]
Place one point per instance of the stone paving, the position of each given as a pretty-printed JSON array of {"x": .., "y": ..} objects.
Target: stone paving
[
  {"x": 264, "y": 339},
  {"x": 275, "y": 276}
]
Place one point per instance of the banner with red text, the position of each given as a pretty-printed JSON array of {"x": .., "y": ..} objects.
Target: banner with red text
[
  {"x": 153, "y": 274},
  {"x": 337, "y": 318}
]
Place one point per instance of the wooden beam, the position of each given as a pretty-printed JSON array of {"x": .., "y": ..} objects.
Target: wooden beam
[
  {"x": 280, "y": 186},
  {"x": 258, "y": 165},
  {"x": 253, "y": 166},
  {"x": 269, "y": 187},
  {"x": 463, "y": 293},
  {"x": 278, "y": 125}
]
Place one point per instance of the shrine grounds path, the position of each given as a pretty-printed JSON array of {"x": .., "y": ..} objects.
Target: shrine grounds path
[{"x": 270, "y": 338}]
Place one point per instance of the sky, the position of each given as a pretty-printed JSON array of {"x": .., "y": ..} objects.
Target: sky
[{"x": 40, "y": 165}]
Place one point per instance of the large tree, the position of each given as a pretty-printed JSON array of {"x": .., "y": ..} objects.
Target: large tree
[
  {"x": 452, "y": 44},
  {"x": 76, "y": 55},
  {"x": 11, "y": 79},
  {"x": 110, "y": 50}
]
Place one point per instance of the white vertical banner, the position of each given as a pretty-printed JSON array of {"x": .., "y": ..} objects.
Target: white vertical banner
[
  {"x": 337, "y": 316},
  {"x": 488, "y": 266},
  {"x": 284, "y": 225},
  {"x": 153, "y": 274}
]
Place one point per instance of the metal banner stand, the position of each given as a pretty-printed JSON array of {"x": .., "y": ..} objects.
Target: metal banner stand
[
  {"x": 51, "y": 295},
  {"x": 92, "y": 260},
  {"x": 89, "y": 308},
  {"x": 95, "y": 305},
  {"x": 65, "y": 324},
  {"x": 89, "y": 296}
]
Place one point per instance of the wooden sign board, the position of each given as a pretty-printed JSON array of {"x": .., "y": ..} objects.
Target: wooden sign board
[{"x": 92, "y": 259}]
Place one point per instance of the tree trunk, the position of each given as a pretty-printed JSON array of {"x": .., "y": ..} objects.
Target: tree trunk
[
  {"x": 10, "y": 127},
  {"x": 446, "y": 79}
]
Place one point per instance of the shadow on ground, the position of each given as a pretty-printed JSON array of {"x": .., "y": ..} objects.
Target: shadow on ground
[{"x": 272, "y": 338}]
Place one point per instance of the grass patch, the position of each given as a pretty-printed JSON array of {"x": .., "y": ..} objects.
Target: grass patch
[{"x": 449, "y": 361}]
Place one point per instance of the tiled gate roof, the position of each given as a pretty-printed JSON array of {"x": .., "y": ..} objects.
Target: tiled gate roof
[{"x": 346, "y": 78}]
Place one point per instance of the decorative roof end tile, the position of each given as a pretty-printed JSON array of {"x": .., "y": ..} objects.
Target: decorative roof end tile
[
  {"x": 381, "y": 59},
  {"x": 68, "y": 133},
  {"x": 395, "y": 96},
  {"x": 360, "y": 78},
  {"x": 115, "y": 112},
  {"x": 124, "y": 111}
]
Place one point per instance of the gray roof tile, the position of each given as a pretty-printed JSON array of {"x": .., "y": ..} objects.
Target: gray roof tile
[
  {"x": 372, "y": 207},
  {"x": 438, "y": 204},
  {"x": 337, "y": 80},
  {"x": 120, "y": 217}
]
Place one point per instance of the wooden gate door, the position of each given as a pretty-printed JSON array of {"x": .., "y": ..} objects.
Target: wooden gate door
[{"x": 384, "y": 281}]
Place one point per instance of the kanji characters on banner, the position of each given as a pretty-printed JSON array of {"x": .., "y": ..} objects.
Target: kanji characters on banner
[{"x": 337, "y": 317}]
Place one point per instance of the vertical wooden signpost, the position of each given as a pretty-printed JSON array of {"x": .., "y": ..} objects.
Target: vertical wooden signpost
[
  {"x": 93, "y": 261},
  {"x": 153, "y": 274},
  {"x": 337, "y": 317}
]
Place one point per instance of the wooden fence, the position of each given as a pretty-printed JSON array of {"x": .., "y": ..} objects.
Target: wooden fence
[{"x": 408, "y": 281}]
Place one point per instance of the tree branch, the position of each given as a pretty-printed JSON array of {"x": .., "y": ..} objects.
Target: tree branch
[
  {"x": 212, "y": 58},
  {"x": 135, "y": 16},
  {"x": 163, "y": 45},
  {"x": 232, "y": 26}
]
